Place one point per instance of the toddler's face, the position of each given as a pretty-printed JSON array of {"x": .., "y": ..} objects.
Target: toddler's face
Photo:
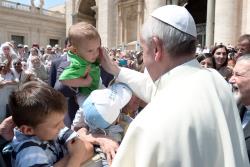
[{"x": 89, "y": 49}]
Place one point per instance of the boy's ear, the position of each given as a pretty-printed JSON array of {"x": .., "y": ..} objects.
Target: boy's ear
[{"x": 27, "y": 130}]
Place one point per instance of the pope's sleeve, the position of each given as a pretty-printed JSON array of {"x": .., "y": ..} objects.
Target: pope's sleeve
[{"x": 141, "y": 83}]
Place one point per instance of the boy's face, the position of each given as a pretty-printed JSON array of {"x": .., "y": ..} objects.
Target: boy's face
[
  {"x": 89, "y": 49},
  {"x": 49, "y": 129}
]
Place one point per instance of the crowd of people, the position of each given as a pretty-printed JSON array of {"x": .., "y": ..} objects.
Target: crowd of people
[
  {"x": 222, "y": 57},
  {"x": 170, "y": 104},
  {"x": 20, "y": 64},
  {"x": 74, "y": 74}
]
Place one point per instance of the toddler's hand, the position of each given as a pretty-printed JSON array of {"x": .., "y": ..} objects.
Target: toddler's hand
[
  {"x": 87, "y": 71},
  {"x": 87, "y": 80}
]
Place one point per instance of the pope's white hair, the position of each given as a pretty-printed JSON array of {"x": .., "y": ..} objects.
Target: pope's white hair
[{"x": 175, "y": 41}]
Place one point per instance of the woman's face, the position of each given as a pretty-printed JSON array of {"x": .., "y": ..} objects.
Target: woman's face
[
  {"x": 207, "y": 63},
  {"x": 220, "y": 56},
  {"x": 33, "y": 52},
  {"x": 35, "y": 62},
  {"x": 6, "y": 50}
]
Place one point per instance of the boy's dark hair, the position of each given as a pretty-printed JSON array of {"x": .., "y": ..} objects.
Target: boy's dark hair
[{"x": 32, "y": 102}]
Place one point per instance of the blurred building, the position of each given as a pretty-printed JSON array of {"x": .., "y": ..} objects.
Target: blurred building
[
  {"x": 30, "y": 24},
  {"x": 119, "y": 22}
]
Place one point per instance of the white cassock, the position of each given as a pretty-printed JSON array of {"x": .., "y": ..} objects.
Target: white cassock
[{"x": 191, "y": 121}]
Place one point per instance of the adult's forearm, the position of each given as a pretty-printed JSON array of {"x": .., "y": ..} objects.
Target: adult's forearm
[{"x": 141, "y": 84}]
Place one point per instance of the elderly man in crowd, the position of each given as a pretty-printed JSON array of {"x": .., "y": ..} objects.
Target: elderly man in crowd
[
  {"x": 191, "y": 118},
  {"x": 241, "y": 87},
  {"x": 243, "y": 45}
]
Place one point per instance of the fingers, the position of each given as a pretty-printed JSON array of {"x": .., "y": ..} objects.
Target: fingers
[
  {"x": 100, "y": 53},
  {"x": 87, "y": 80},
  {"x": 109, "y": 147},
  {"x": 9, "y": 119},
  {"x": 103, "y": 54},
  {"x": 112, "y": 154},
  {"x": 87, "y": 71},
  {"x": 109, "y": 158},
  {"x": 72, "y": 141},
  {"x": 8, "y": 122},
  {"x": 75, "y": 143}
]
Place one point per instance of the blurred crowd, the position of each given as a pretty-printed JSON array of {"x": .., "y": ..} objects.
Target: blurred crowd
[{"x": 223, "y": 57}]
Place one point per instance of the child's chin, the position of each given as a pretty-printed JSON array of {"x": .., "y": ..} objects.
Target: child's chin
[{"x": 92, "y": 61}]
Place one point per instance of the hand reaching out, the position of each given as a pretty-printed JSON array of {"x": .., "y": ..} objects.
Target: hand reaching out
[
  {"x": 6, "y": 128},
  {"x": 76, "y": 149},
  {"x": 107, "y": 63},
  {"x": 109, "y": 147}
]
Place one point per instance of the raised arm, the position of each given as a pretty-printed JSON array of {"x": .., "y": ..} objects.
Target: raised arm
[{"x": 141, "y": 84}]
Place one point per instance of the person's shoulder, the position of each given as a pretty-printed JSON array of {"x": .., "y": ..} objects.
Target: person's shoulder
[
  {"x": 209, "y": 74},
  {"x": 25, "y": 152},
  {"x": 62, "y": 66},
  {"x": 25, "y": 146},
  {"x": 59, "y": 59}
]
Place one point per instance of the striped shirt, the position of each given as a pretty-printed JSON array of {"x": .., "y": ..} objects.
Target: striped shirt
[{"x": 29, "y": 151}]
